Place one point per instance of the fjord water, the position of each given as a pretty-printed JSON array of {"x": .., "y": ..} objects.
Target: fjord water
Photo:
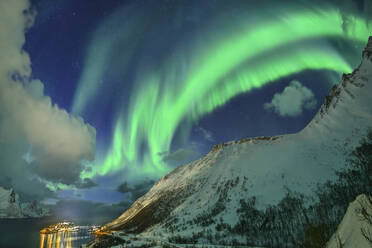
[
  {"x": 22, "y": 233},
  {"x": 65, "y": 239}
]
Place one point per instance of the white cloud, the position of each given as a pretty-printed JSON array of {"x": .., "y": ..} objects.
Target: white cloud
[
  {"x": 28, "y": 157},
  {"x": 292, "y": 101},
  {"x": 29, "y": 118},
  {"x": 206, "y": 134}
]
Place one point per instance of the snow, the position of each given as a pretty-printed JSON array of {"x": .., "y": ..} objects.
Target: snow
[
  {"x": 12, "y": 207},
  {"x": 9, "y": 204},
  {"x": 349, "y": 231},
  {"x": 265, "y": 167}
]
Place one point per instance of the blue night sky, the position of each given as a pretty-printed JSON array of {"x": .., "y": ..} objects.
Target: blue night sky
[{"x": 152, "y": 82}]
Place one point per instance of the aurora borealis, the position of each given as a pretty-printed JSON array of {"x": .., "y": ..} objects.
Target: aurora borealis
[
  {"x": 242, "y": 56},
  {"x": 126, "y": 91}
]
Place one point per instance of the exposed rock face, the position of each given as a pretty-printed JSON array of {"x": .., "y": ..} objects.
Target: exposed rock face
[
  {"x": 251, "y": 140},
  {"x": 211, "y": 195},
  {"x": 9, "y": 204},
  {"x": 367, "y": 53},
  {"x": 11, "y": 207},
  {"x": 355, "y": 230}
]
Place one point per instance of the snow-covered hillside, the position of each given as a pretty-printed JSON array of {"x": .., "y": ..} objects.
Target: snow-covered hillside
[
  {"x": 9, "y": 204},
  {"x": 355, "y": 229},
  {"x": 11, "y": 207},
  {"x": 209, "y": 196}
]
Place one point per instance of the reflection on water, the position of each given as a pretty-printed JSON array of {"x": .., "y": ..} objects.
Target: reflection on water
[
  {"x": 66, "y": 239},
  {"x": 25, "y": 233}
]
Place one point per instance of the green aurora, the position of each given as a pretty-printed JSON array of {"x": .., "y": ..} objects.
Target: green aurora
[{"x": 250, "y": 57}]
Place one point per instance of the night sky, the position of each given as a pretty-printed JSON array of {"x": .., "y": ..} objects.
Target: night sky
[{"x": 99, "y": 99}]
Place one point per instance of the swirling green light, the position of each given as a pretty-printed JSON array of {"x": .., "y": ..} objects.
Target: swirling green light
[
  {"x": 223, "y": 69},
  {"x": 152, "y": 113}
]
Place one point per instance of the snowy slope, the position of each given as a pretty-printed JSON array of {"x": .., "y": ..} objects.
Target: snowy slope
[
  {"x": 34, "y": 210},
  {"x": 9, "y": 204},
  {"x": 349, "y": 233},
  {"x": 196, "y": 197},
  {"x": 11, "y": 207}
]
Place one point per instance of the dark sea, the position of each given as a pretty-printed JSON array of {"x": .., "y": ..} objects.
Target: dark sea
[{"x": 25, "y": 233}]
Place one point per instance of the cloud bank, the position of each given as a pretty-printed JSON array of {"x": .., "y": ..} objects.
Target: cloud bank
[
  {"x": 28, "y": 118},
  {"x": 294, "y": 99}
]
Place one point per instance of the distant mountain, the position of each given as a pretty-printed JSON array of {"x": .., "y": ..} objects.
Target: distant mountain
[
  {"x": 9, "y": 204},
  {"x": 11, "y": 207},
  {"x": 243, "y": 192}
]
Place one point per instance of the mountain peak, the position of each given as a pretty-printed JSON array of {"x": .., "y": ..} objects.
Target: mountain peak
[
  {"x": 368, "y": 49},
  {"x": 12, "y": 207}
]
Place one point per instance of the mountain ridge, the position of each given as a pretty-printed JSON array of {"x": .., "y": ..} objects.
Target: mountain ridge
[
  {"x": 12, "y": 207},
  {"x": 209, "y": 196}
]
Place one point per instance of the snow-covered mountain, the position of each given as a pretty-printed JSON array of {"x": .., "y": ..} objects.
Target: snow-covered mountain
[
  {"x": 11, "y": 207},
  {"x": 34, "y": 209},
  {"x": 208, "y": 199},
  {"x": 9, "y": 204},
  {"x": 355, "y": 229}
]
